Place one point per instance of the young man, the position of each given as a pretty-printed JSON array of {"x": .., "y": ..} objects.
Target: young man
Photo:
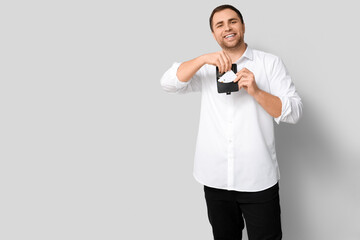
[{"x": 235, "y": 155}]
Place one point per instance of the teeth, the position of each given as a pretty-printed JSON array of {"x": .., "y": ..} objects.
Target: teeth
[{"x": 228, "y": 36}]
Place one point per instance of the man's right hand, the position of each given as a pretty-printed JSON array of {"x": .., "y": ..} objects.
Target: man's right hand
[
  {"x": 219, "y": 59},
  {"x": 187, "y": 69}
]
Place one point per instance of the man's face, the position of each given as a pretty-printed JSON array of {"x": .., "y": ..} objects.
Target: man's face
[{"x": 228, "y": 30}]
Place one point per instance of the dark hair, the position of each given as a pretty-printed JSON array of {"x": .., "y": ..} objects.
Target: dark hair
[{"x": 222, "y": 7}]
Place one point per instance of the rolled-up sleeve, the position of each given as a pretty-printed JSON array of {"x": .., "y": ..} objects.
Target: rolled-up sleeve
[
  {"x": 171, "y": 84},
  {"x": 282, "y": 86}
]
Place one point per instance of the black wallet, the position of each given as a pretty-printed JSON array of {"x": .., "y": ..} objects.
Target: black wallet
[{"x": 226, "y": 87}]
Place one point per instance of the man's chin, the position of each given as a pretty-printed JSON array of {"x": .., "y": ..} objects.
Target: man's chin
[{"x": 230, "y": 46}]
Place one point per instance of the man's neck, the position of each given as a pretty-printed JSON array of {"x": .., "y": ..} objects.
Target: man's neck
[{"x": 236, "y": 53}]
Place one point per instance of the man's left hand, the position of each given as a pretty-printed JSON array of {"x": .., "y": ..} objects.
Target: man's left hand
[{"x": 246, "y": 80}]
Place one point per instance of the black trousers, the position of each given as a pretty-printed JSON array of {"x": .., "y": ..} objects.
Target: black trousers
[{"x": 227, "y": 211}]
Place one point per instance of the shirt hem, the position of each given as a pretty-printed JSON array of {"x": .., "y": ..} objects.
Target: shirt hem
[{"x": 235, "y": 189}]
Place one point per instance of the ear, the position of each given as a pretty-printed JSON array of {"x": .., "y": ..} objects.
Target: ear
[{"x": 243, "y": 27}]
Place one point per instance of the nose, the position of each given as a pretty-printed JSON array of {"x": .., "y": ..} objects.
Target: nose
[{"x": 227, "y": 27}]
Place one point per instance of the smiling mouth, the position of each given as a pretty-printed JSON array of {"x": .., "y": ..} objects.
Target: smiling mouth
[{"x": 230, "y": 36}]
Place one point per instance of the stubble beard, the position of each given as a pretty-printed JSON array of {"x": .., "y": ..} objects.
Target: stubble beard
[{"x": 232, "y": 47}]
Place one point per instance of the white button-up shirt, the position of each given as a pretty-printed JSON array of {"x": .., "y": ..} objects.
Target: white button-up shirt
[{"x": 235, "y": 147}]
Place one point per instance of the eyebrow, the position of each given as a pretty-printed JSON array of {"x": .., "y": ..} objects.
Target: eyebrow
[{"x": 229, "y": 20}]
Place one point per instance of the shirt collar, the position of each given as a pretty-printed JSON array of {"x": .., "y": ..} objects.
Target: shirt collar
[{"x": 247, "y": 54}]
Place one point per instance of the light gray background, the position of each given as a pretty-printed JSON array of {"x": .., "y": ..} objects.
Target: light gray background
[{"x": 92, "y": 148}]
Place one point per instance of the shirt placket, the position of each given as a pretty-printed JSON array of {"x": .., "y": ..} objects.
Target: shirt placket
[{"x": 230, "y": 144}]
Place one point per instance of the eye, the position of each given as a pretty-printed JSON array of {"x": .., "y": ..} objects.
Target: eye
[
  {"x": 234, "y": 21},
  {"x": 219, "y": 26}
]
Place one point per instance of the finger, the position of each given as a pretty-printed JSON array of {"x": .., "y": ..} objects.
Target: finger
[
  {"x": 218, "y": 64},
  {"x": 244, "y": 81},
  {"x": 243, "y": 84},
  {"x": 221, "y": 64},
  {"x": 223, "y": 58},
  {"x": 240, "y": 76},
  {"x": 247, "y": 71},
  {"x": 247, "y": 74},
  {"x": 228, "y": 60}
]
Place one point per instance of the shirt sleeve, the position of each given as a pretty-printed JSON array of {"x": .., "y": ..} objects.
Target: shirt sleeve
[
  {"x": 282, "y": 86},
  {"x": 170, "y": 82}
]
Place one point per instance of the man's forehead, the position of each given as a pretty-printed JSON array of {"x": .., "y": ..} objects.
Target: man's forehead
[{"x": 225, "y": 15}]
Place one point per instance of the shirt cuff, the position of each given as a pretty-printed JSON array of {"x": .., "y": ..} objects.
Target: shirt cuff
[{"x": 285, "y": 109}]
